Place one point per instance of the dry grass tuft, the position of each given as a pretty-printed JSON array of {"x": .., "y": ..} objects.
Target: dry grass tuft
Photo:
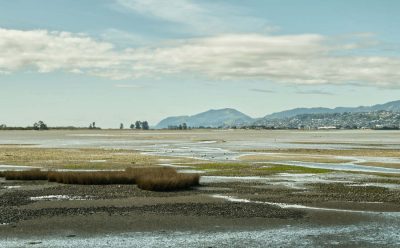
[
  {"x": 34, "y": 174},
  {"x": 92, "y": 178},
  {"x": 163, "y": 179},
  {"x": 166, "y": 183},
  {"x": 150, "y": 178}
]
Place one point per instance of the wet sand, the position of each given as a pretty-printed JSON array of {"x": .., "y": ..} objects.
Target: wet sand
[
  {"x": 104, "y": 213},
  {"x": 290, "y": 209}
]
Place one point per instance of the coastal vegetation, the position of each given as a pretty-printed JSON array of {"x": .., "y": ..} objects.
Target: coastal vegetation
[
  {"x": 252, "y": 169},
  {"x": 372, "y": 152},
  {"x": 150, "y": 178},
  {"x": 88, "y": 158},
  {"x": 40, "y": 126}
]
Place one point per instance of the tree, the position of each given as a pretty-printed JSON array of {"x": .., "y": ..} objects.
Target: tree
[
  {"x": 94, "y": 124},
  {"x": 121, "y": 126},
  {"x": 184, "y": 126},
  {"x": 138, "y": 125},
  {"x": 145, "y": 125},
  {"x": 90, "y": 126},
  {"x": 132, "y": 126},
  {"x": 40, "y": 125}
]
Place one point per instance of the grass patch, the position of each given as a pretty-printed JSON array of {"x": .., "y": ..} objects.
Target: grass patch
[
  {"x": 221, "y": 166},
  {"x": 253, "y": 169},
  {"x": 281, "y": 168},
  {"x": 74, "y": 158},
  {"x": 336, "y": 143},
  {"x": 153, "y": 178},
  {"x": 290, "y": 157},
  {"x": 371, "y": 152}
]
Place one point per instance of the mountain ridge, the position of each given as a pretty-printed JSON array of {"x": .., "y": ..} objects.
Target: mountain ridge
[
  {"x": 232, "y": 117},
  {"x": 210, "y": 118},
  {"x": 389, "y": 106}
]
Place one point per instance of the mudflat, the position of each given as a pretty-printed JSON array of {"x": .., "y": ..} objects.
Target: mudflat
[{"x": 278, "y": 197}]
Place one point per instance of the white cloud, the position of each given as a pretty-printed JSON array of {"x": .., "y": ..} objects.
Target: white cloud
[
  {"x": 198, "y": 17},
  {"x": 298, "y": 59},
  {"x": 294, "y": 59},
  {"x": 48, "y": 51}
]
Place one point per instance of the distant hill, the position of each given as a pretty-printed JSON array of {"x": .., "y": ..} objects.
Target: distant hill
[
  {"x": 390, "y": 106},
  {"x": 232, "y": 117},
  {"x": 211, "y": 118}
]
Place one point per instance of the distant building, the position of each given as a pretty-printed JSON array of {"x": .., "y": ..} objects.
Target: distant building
[{"x": 326, "y": 128}]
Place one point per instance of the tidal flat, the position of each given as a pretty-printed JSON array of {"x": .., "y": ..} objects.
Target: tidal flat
[{"x": 257, "y": 188}]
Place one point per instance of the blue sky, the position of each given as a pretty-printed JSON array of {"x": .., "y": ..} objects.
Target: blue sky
[{"x": 112, "y": 61}]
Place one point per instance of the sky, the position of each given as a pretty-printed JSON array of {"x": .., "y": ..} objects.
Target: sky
[{"x": 117, "y": 61}]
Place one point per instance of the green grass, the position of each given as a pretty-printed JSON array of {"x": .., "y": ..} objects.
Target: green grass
[
  {"x": 253, "y": 169},
  {"x": 221, "y": 166},
  {"x": 293, "y": 169}
]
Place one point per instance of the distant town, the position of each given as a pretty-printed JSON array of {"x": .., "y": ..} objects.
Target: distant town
[
  {"x": 379, "y": 117},
  {"x": 382, "y": 120},
  {"x": 379, "y": 120},
  {"x": 369, "y": 120}
]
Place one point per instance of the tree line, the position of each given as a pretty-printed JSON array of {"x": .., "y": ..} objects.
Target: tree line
[
  {"x": 139, "y": 125},
  {"x": 182, "y": 126},
  {"x": 40, "y": 125}
]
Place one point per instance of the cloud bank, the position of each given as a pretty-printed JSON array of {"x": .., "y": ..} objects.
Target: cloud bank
[{"x": 291, "y": 59}]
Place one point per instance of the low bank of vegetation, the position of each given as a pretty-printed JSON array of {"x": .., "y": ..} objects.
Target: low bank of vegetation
[{"x": 153, "y": 178}]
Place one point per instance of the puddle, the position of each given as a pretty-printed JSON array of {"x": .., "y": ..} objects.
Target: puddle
[
  {"x": 341, "y": 167},
  {"x": 234, "y": 199},
  {"x": 174, "y": 165},
  {"x": 366, "y": 235},
  {"x": 12, "y": 187},
  {"x": 286, "y": 179},
  {"x": 295, "y": 206},
  {"x": 59, "y": 198},
  {"x": 207, "y": 142}
]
